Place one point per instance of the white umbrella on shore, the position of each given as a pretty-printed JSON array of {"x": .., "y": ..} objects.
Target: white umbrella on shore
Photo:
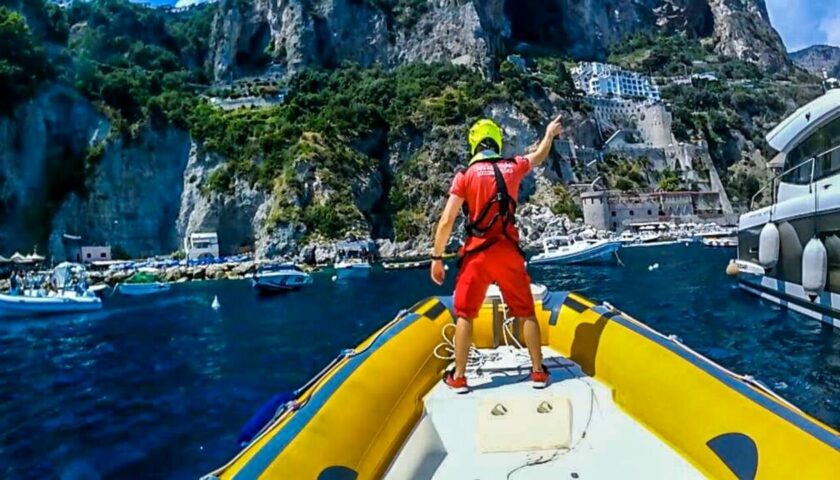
[
  {"x": 34, "y": 257},
  {"x": 18, "y": 258}
]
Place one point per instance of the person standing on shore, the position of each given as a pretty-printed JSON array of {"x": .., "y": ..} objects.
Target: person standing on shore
[
  {"x": 14, "y": 283},
  {"x": 488, "y": 189}
]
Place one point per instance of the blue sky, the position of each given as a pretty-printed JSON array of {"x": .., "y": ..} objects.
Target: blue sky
[{"x": 803, "y": 23}]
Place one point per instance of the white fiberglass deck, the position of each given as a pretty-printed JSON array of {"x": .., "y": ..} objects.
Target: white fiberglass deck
[{"x": 446, "y": 445}]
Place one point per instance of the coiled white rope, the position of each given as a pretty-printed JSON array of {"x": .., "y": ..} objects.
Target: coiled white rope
[
  {"x": 476, "y": 358},
  {"x": 446, "y": 350}
]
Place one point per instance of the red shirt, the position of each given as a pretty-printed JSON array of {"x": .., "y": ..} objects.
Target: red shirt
[{"x": 477, "y": 186}]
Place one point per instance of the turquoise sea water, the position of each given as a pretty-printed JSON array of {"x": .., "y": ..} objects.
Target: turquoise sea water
[{"x": 158, "y": 388}]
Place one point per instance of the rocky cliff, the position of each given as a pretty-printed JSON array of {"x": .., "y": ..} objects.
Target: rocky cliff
[
  {"x": 250, "y": 37},
  {"x": 43, "y": 145},
  {"x": 285, "y": 35},
  {"x": 349, "y": 151},
  {"x": 132, "y": 201},
  {"x": 742, "y": 30},
  {"x": 818, "y": 59},
  {"x": 237, "y": 218}
]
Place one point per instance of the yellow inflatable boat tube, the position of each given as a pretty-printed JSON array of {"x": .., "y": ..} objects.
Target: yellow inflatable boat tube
[{"x": 354, "y": 419}]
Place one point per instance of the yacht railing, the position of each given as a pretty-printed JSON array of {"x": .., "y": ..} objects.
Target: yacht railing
[{"x": 772, "y": 184}]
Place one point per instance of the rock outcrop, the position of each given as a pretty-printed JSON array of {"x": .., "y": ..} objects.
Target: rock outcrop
[
  {"x": 233, "y": 216},
  {"x": 251, "y": 38},
  {"x": 132, "y": 201},
  {"x": 42, "y": 158},
  {"x": 742, "y": 30},
  {"x": 819, "y": 59}
]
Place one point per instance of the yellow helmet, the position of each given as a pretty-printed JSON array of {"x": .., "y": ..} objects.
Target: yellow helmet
[{"x": 483, "y": 130}]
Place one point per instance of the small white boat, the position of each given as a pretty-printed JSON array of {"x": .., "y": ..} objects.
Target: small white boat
[
  {"x": 40, "y": 303},
  {"x": 352, "y": 268},
  {"x": 720, "y": 242},
  {"x": 719, "y": 237},
  {"x": 571, "y": 250},
  {"x": 647, "y": 238},
  {"x": 144, "y": 282},
  {"x": 280, "y": 278}
]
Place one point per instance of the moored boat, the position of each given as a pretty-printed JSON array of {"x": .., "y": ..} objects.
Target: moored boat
[
  {"x": 48, "y": 304},
  {"x": 65, "y": 291},
  {"x": 793, "y": 243},
  {"x": 352, "y": 268},
  {"x": 624, "y": 402},
  {"x": 571, "y": 250},
  {"x": 721, "y": 237},
  {"x": 720, "y": 242},
  {"x": 406, "y": 264},
  {"x": 144, "y": 282},
  {"x": 280, "y": 278}
]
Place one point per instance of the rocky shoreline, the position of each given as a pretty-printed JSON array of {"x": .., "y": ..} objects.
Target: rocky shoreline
[{"x": 534, "y": 222}]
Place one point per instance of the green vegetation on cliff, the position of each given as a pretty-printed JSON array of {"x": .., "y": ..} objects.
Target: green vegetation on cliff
[
  {"x": 23, "y": 62},
  {"x": 336, "y": 126},
  {"x": 136, "y": 60},
  {"x": 137, "y": 63}
]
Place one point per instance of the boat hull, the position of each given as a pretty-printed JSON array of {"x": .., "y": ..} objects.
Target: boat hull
[
  {"x": 353, "y": 271},
  {"x": 713, "y": 419},
  {"x": 21, "y": 306},
  {"x": 281, "y": 282},
  {"x": 415, "y": 265},
  {"x": 825, "y": 308},
  {"x": 141, "y": 289},
  {"x": 663, "y": 243},
  {"x": 604, "y": 253},
  {"x": 727, "y": 242}
]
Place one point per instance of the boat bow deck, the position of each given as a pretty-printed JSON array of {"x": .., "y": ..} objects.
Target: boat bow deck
[{"x": 604, "y": 441}]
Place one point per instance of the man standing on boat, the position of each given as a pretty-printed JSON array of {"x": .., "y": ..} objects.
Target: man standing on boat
[{"x": 487, "y": 190}]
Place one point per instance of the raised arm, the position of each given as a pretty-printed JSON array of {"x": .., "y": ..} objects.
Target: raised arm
[
  {"x": 444, "y": 231},
  {"x": 554, "y": 130}
]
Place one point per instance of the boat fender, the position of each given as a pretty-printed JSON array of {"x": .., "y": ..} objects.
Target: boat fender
[
  {"x": 265, "y": 414},
  {"x": 732, "y": 269},
  {"x": 814, "y": 268},
  {"x": 832, "y": 245},
  {"x": 768, "y": 245}
]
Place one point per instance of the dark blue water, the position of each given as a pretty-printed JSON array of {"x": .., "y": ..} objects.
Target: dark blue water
[{"x": 159, "y": 388}]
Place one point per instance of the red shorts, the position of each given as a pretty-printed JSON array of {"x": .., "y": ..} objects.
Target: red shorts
[{"x": 501, "y": 264}]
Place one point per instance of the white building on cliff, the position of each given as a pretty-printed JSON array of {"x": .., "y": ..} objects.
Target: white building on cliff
[{"x": 605, "y": 80}]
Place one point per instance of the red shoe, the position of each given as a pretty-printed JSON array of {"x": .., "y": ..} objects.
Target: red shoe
[
  {"x": 540, "y": 379},
  {"x": 458, "y": 385}
]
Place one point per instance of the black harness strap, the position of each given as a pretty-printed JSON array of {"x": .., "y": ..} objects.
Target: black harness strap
[{"x": 506, "y": 212}]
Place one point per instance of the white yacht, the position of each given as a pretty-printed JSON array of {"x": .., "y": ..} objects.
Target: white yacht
[
  {"x": 789, "y": 252},
  {"x": 280, "y": 278},
  {"x": 570, "y": 250}
]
